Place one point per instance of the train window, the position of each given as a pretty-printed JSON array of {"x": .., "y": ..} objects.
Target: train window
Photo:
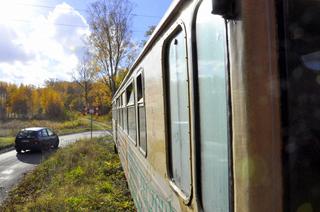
[
  {"x": 213, "y": 108},
  {"x": 178, "y": 113},
  {"x": 114, "y": 117},
  {"x": 300, "y": 66},
  {"x": 124, "y": 112},
  {"x": 120, "y": 111},
  {"x": 141, "y": 115},
  {"x": 139, "y": 88},
  {"x": 131, "y": 112}
]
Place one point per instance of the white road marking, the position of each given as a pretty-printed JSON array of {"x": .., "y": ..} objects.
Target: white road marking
[
  {"x": 13, "y": 165},
  {"x": 9, "y": 171}
]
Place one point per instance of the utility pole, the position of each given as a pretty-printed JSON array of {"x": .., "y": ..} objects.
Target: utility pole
[
  {"x": 91, "y": 111},
  {"x": 91, "y": 126}
]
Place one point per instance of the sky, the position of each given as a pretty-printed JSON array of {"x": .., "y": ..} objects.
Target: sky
[{"x": 44, "y": 39}]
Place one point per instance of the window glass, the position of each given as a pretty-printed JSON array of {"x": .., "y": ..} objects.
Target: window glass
[
  {"x": 130, "y": 94},
  {"x": 124, "y": 113},
  {"x": 118, "y": 112},
  {"x": 50, "y": 133},
  {"x": 139, "y": 88},
  {"x": 142, "y": 128},
  {"x": 211, "y": 43},
  {"x": 300, "y": 73},
  {"x": 27, "y": 134},
  {"x": 141, "y": 114},
  {"x": 132, "y": 122},
  {"x": 131, "y": 112},
  {"x": 44, "y": 133},
  {"x": 179, "y": 114},
  {"x": 113, "y": 112}
]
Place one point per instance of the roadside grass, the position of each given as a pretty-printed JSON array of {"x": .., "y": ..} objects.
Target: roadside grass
[
  {"x": 78, "y": 124},
  {"x": 6, "y": 142},
  {"x": 84, "y": 176},
  {"x": 12, "y": 127},
  {"x": 98, "y": 123}
]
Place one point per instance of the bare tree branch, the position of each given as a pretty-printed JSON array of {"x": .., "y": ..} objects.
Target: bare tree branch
[
  {"x": 110, "y": 36},
  {"x": 84, "y": 75}
]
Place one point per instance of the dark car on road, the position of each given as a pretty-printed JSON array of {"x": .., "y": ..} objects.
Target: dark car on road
[{"x": 36, "y": 138}]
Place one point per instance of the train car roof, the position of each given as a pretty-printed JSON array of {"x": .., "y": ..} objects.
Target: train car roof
[{"x": 165, "y": 20}]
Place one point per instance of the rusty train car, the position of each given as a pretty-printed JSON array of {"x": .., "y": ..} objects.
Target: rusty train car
[{"x": 220, "y": 112}]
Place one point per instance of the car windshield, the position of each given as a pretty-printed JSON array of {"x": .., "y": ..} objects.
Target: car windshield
[{"x": 27, "y": 134}]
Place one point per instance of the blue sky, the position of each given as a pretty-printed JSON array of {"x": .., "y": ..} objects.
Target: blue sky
[
  {"x": 36, "y": 45},
  {"x": 147, "y": 12}
]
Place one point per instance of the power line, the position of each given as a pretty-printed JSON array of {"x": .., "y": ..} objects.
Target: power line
[
  {"x": 78, "y": 9},
  {"x": 57, "y": 24},
  {"x": 60, "y": 24},
  {"x": 48, "y": 6}
]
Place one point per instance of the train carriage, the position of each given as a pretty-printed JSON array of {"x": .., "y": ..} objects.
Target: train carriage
[{"x": 220, "y": 110}]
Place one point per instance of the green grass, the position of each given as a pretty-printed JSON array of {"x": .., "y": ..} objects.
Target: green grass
[
  {"x": 85, "y": 176},
  {"x": 6, "y": 142},
  {"x": 98, "y": 123}
]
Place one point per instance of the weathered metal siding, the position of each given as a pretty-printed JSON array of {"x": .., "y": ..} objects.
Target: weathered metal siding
[{"x": 255, "y": 108}]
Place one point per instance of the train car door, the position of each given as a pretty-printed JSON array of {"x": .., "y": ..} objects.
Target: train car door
[{"x": 212, "y": 110}]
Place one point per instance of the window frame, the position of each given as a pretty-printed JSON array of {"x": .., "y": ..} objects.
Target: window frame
[
  {"x": 177, "y": 28},
  {"x": 139, "y": 103},
  {"x": 123, "y": 108},
  {"x": 118, "y": 111},
  {"x": 196, "y": 111},
  {"x": 130, "y": 105}
]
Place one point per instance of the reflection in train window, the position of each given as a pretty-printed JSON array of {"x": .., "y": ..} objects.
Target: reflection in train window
[
  {"x": 120, "y": 111},
  {"x": 117, "y": 111},
  {"x": 131, "y": 112},
  {"x": 141, "y": 115},
  {"x": 178, "y": 119},
  {"x": 139, "y": 88},
  {"x": 301, "y": 100},
  {"x": 211, "y": 44},
  {"x": 124, "y": 112}
]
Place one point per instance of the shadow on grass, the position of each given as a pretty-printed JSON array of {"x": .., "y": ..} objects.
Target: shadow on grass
[{"x": 34, "y": 157}]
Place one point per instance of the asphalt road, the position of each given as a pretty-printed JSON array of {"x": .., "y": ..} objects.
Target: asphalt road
[{"x": 13, "y": 166}]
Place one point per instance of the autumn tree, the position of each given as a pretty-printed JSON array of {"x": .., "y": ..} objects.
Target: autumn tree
[
  {"x": 101, "y": 96},
  {"x": 54, "y": 100},
  {"x": 110, "y": 37},
  {"x": 84, "y": 76},
  {"x": 120, "y": 76},
  {"x": 3, "y": 100},
  {"x": 52, "y": 103},
  {"x": 20, "y": 101},
  {"x": 11, "y": 89},
  {"x": 55, "y": 107},
  {"x": 35, "y": 103},
  {"x": 73, "y": 100}
]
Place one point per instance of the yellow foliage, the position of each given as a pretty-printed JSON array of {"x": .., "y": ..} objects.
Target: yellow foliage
[{"x": 51, "y": 101}]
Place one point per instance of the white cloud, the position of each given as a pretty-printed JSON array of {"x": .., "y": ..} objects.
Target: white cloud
[
  {"x": 72, "y": 37},
  {"x": 48, "y": 48},
  {"x": 10, "y": 47}
]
